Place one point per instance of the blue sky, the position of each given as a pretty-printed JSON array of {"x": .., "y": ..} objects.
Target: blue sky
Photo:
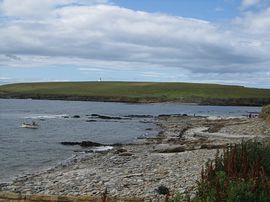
[
  {"x": 207, "y": 41},
  {"x": 212, "y": 10}
]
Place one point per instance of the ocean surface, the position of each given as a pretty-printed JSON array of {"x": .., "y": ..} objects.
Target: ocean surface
[{"x": 26, "y": 150}]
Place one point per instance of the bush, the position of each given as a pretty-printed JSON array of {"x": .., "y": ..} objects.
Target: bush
[
  {"x": 241, "y": 174},
  {"x": 265, "y": 114}
]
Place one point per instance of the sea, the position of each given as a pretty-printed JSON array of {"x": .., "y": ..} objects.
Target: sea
[{"x": 23, "y": 151}]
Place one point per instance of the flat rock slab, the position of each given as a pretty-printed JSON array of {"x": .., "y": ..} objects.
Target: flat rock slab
[{"x": 168, "y": 148}]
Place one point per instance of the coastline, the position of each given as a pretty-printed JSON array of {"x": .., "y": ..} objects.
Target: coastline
[
  {"x": 249, "y": 102},
  {"x": 173, "y": 158}
]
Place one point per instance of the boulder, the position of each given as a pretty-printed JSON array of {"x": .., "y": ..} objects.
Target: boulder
[
  {"x": 83, "y": 144},
  {"x": 76, "y": 116},
  {"x": 212, "y": 146},
  {"x": 90, "y": 144},
  {"x": 120, "y": 150},
  {"x": 91, "y": 120},
  {"x": 70, "y": 143},
  {"x": 125, "y": 154},
  {"x": 163, "y": 190},
  {"x": 105, "y": 117},
  {"x": 139, "y": 116},
  {"x": 167, "y": 148}
]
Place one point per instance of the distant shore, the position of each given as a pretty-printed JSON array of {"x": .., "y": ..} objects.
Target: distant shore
[
  {"x": 196, "y": 101},
  {"x": 139, "y": 92}
]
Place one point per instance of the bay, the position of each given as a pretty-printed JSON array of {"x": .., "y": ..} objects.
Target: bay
[{"x": 25, "y": 150}]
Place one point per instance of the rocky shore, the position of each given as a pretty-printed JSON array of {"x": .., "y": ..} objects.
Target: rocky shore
[{"x": 172, "y": 159}]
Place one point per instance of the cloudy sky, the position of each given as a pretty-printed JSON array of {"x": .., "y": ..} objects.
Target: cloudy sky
[{"x": 207, "y": 41}]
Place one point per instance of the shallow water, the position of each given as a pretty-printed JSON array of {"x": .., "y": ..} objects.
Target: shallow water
[{"x": 25, "y": 150}]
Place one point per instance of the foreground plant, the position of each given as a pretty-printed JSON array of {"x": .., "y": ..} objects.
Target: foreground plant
[{"x": 241, "y": 174}]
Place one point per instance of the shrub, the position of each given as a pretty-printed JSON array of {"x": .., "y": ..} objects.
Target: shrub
[
  {"x": 265, "y": 114},
  {"x": 241, "y": 174}
]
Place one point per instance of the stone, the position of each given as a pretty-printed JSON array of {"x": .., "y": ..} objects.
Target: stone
[
  {"x": 120, "y": 150},
  {"x": 76, "y": 116},
  {"x": 125, "y": 154},
  {"x": 163, "y": 190},
  {"x": 90, "y": 144},
  {"x": 83, "y": 144},
  {"x": 91, "y": 120},
  {"x": 166, "y": 148}
]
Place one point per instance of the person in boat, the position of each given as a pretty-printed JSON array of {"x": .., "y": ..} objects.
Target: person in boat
[{"x": 34, "y": 123}]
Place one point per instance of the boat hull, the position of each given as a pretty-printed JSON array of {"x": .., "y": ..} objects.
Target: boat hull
[{"x": 29, "y": 126}]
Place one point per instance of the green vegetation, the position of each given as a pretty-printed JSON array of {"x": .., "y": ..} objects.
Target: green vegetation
[
  {"x": 265, "y": 114},
  {"x": 139, "y": 92},
  {"x": 241, "y": 174}
]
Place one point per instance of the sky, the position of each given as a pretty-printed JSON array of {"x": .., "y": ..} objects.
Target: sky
[{"x": 200, "y": 41}]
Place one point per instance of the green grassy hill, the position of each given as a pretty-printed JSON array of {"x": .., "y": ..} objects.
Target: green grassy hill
[{"x": 139, "y": 92}]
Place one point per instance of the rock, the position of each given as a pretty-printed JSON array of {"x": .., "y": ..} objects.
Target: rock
[
  {"x": 84, "y": 151},
  {"x": 163, "y": 190},
  {"x": 139, "y": 116},
  {"x": 76, "y": 116},
  {"x": 120, "y": 150},
  {"x": 91, "y": 120},
  {"x": 212, "y": 146},
  {"x": 125, "y": 154},
  {"x": 166, "y": 148},
  {"x": 70, "y": 143},
  {"x": 134, "y": 175},
  {"x": 116, "y": 144},
  {"x": 171, "y": 115},
  {"x": 182, "y": 131},
  {"x": 83, "y": 144},
  {"x": 164, "y": 115},
  {"x": 90, "y": 144},
  {"x": 106, "y": 117}
]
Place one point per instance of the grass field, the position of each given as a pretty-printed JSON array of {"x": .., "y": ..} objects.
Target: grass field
[{"x": 139, "y": 92}]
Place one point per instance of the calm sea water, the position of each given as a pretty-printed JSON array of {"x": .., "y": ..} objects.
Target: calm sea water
[{"x": 25, "y": 150}]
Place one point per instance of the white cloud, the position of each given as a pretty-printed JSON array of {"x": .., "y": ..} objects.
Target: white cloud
[
  {"x": 39, "y": 9},
  {"x": 247, "y": 3},
  {"x": 104, "y": 36},
  {"x": 255, "y": 23},
  {"x": 4, "y": 78},
  {"x": 25, "y": 8}
]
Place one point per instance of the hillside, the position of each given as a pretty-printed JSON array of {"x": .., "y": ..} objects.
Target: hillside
[{"x": 139, "y": 92}]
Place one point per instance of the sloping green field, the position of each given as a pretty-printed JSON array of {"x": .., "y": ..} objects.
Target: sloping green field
[{"x": 139, "y": 92}]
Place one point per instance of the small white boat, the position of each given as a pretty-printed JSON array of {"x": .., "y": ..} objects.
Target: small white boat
[{"x": 28, "y": 125}]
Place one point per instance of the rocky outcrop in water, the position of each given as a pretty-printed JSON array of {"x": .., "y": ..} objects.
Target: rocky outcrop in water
[
  {"x": 139, "y": 116},
  {"x": 83, "y": 144},
  {"x": 76, "y": 116},
  {"x": 105, "y": 117}
]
